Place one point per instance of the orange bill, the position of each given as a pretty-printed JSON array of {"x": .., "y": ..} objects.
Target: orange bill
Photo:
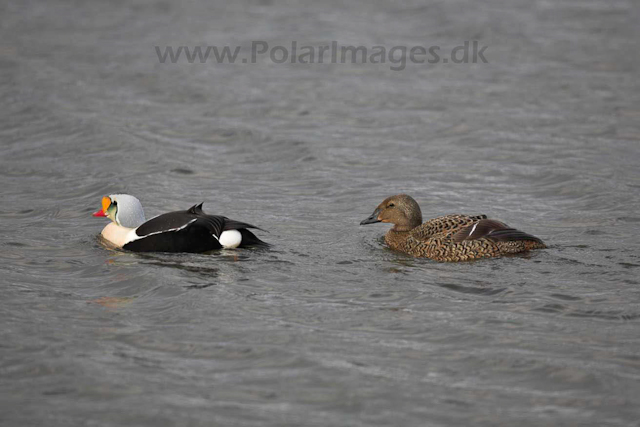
[{"x": 106, "y": 202}]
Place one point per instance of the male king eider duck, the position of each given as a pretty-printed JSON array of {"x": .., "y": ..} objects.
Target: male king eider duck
[
  {"x": 448, "y": 238},
  {"x": 181, "y": 231}
]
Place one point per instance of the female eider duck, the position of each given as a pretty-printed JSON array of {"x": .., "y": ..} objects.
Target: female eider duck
[
  {"x": 448, "y": 238},
  {"x": 181, "y": 231}
]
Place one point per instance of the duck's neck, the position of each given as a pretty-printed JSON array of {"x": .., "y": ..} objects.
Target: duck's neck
[
  {"x": 409, "y": 222},
  {"x": 402, "y": 228},
  {"x": 395, "y": 239}
]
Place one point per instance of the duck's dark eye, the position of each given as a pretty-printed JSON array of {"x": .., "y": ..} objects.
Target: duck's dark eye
[{"x": 390, "y": 205}]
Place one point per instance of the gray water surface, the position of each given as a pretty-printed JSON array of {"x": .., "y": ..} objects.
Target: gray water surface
[{"x": 328, "y": 327}]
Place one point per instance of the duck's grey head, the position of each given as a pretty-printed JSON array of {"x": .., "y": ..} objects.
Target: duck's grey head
[{"x": 123, "y": 209}]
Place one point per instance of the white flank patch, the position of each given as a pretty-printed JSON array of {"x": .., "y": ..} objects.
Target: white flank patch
[{"x": 230, "y": 239}]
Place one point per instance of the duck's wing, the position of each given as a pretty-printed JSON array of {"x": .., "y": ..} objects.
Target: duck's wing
[
  {"x": 232, "y": 224},
  {"x": 219, "y": 224},
  {"x": 445, "y": 225},
  {"x": 248, "y": 238},
  {"x": 179, "y": 231},
  {"x": 194, "y": 217},
  {"x": 492, "y": 230}
]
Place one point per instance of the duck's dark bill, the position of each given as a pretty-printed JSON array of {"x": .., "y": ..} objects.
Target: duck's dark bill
[{"x": 372, "y": 219}]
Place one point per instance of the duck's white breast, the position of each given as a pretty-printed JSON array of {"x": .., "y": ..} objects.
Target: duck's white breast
[{"x": 118, "y": 235}]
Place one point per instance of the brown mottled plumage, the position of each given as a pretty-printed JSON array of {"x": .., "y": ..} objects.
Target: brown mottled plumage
[{"x": 448, "y": 238}]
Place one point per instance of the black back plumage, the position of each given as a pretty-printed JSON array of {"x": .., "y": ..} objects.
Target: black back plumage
[{"x": 189, "y": 231}]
